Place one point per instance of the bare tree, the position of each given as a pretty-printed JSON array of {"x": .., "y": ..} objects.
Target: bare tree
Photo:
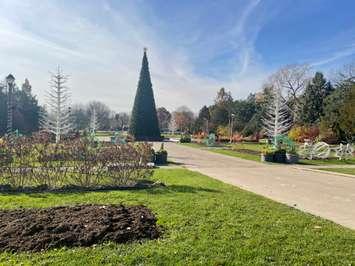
[
  {"x": 183, "y": 118},
  {"x": 164, "y": 118},
  {"x": 103, "y": 114},
  {"x": 291, "y": 80},
  {"x": 122, "y": 120},
  {"x": 57, "y": 118},
  {"x": 346, "y": 74}
]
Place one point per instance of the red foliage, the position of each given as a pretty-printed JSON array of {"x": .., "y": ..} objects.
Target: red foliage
[{"x": 301, "y": 133}]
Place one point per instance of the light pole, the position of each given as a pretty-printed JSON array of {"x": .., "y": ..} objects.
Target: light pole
[
  {"x": 10, "y": 81},
  {"x": 207, "y": 126},
  {"x": 231, "y": 120}
]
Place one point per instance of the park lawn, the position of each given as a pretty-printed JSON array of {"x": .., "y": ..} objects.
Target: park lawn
[
  {"x": 238, "y": 154},
  {"x": 205, "y": 222},
  {"x": 173, "y": 136},
  {"x": 349, "y": 171},
  {"x": 104, "y": 133},
  {"x": 240, "y": 151},
  {"x": 254, "y": 146},
  {"x": 330, "y": 161},
  {"x": 195, "y": 145}
]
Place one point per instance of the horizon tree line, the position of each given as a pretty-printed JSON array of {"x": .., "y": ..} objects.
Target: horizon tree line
[{"x": 312, "y": 101}]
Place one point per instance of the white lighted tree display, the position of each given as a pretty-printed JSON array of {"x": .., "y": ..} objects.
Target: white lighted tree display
[
  {"x": 276, "y": 120},
  {"x": 57, "y": 118},
  {"x": 94, "y": 123}
]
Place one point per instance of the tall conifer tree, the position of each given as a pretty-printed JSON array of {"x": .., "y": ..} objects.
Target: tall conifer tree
[
  {"x": 313, "y": 97},
  {"x": 144, "y": 121}
]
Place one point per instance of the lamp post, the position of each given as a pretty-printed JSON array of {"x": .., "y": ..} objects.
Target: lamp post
[
  {"x": 10, "y": 81},
  {"x": 231, "y": 122},
  {"x": 207, "y": 126}
]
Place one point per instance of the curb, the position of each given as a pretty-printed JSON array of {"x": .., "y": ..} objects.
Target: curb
[{"x": 324, "y": 171}]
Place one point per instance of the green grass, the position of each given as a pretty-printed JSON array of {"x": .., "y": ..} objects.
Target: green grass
[
  {"x": 104, "y": 133},
  {"x": 349, "y": 171},
  {"x": 242, "y": 155},
  {"x": 205, "y": 222},
  {"x": 174, "y": 136},
  {"x": 330, "y": 161},
  {"x": 194, "y": 145},
  {"x": 249, "y": 146},
  {"x": 237, "y": 151}
]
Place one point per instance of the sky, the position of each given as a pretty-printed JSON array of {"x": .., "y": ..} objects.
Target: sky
[{"x": 194, "y": 47}]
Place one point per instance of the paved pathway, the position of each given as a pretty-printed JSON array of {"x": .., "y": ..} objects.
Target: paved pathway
[{"x": 327, "y": 195}]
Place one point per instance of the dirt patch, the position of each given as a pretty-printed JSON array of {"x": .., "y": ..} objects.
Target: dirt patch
[{"x": 83, "y": 225}]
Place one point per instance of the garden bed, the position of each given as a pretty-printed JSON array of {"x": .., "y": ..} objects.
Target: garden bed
[{"x": 83, "y": 225}]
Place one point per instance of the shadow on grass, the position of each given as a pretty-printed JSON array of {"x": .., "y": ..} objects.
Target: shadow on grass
[
  {"x": 181, "y": 189},
  {"x": 153, "y": 188},
  {"x": 74, "y": 189},
  {"x": 174, "y": 163}
]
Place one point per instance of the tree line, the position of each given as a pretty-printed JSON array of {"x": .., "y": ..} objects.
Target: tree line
[
  {"x": 26, "y": 109},
  {"x": 317, "y": 107},
  {"x": 27, "y": 112}
]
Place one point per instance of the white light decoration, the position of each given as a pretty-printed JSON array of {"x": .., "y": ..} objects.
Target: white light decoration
[
  {"x": 344, "y": 151},
  {"x": 319, "y": 150},
  {"x": 277, "y": 120},
  {"x": 57, "y": 119},
  {"x": 94, "y": 124}
]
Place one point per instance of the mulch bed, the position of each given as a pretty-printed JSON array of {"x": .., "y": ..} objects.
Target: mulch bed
[{"x": 82, "y": 225}]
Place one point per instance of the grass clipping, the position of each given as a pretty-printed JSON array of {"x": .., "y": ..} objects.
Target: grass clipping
[{"x": 82, "y": 225}]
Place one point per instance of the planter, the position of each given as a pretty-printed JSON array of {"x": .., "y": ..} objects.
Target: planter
[
  {"x": 161, "y": 158},
  {"x": 269, "y": 157},
  {"x": 292, "y": 158},
  {"x": 280, "y": 156}
]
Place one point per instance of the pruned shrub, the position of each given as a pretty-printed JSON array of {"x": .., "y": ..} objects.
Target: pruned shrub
[
  {"x": 185, "y": 139},
  {"x": 35, "y": 161}
]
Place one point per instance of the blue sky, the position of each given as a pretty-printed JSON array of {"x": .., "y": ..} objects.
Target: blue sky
[{"x": 194, "y": 47}]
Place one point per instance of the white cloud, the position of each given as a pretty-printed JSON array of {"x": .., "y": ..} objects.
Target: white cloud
[{"x": 100, "y": 47}]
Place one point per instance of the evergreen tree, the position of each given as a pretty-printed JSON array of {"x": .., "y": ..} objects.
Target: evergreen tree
[
  {"x": 347, "y": 120},
  {"x": 26, "y": 109},
  {"x": 219, "y": 116},
  {"x": 144, "y": 121},
  {"x": 244, "y": 110},
  {"x": 314, "y": 95},
  {"x": 339, "y": 112},
  {"x": 202, "y": 121},
  {"x": 222, "y": 109},
  {"x": 3, "y": 110},
  {"x": 26, "y": 112}
]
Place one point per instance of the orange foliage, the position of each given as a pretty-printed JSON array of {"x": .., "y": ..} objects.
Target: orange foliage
[{"x": 300, "y": 133}]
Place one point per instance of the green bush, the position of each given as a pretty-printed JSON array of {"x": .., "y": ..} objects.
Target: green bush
[
  {"x": 185, "y": 139},
  {"x": 280, "y": 156},
  {"x": 33, "y": 161}
]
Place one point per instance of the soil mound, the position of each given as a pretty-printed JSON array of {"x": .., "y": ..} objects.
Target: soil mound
[{"x": 82, "y": 225}]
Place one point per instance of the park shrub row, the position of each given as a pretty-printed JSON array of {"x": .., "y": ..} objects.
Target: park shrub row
[{"x": 35, "y": 161}]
